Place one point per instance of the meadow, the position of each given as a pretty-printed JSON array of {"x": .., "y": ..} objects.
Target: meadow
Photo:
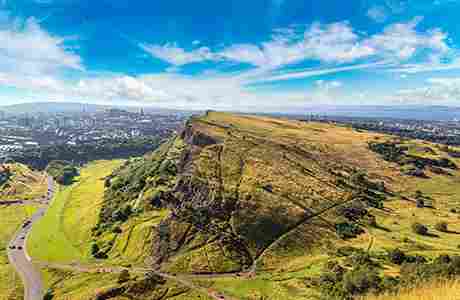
[{"x": 64, "y": 234}]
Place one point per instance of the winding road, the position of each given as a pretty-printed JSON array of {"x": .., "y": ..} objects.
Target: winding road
[{"x": 17, "y": 253}]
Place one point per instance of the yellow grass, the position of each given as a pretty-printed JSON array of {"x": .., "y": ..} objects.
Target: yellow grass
[{"x": 438, "y": 290}]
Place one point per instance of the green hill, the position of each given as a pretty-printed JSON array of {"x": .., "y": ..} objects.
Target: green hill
[{"x": 263, "y": 208}]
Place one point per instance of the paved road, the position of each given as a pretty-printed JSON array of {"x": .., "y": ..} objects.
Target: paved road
[{"x": 17, "y": 254}]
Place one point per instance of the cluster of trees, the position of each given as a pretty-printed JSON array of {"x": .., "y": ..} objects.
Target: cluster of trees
[
  {"x": 62, "y": 171},
  {"x": 394, "y": 152},
  {"x": 83, "y": 153},
  {"x": 388, "y": 150},
  {"x": 359, "y": 273}
]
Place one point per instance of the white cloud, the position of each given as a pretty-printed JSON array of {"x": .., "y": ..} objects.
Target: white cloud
[
  {"x": 25, "y": 48},
  {"x": 336, "y": 43},
  {"x": 177, "y": 56},
  {"x": 318, "y": 72},
  {"x": 338, "y": 48},
  {"x": 377, "y": 13},
  {"x": 436, "y": 90},
  {"x": 328, "y": 85},
  {"x": 401, "y": 41}
]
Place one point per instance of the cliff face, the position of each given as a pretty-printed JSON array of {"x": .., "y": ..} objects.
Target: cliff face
[{"x": 238, "y": 191}]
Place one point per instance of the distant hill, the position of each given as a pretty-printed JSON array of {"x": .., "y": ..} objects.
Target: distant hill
[
  {"x": 51, "y": 107},
  {"x": 73, "y": 107},
  {"x": 417, "y": 112}
]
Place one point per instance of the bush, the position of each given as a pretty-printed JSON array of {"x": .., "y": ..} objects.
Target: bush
[
  {"x": 117, "y": 230},
  {"x": 123, "y": 277},
  {"x": 419, "y": 229},
  {"x": 94, "y": 249},
  {"x": 441, "y": 226},
  {"x": 420, "y": 203},
  {"x": 397, "y": 256},
  {"x": 361, "y": 280},
  {"x": 360, "y": 258},
  {"x": 347, "y": 230}
]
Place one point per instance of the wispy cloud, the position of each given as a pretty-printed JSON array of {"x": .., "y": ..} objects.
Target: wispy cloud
[
  {"x": 336, "y": 43},
  {"x": 377, "y": 13},
  {"x": 336, "y": 47},
  {"x": 25, "y": 48},
  {"x": 435, "y": 90},
  {"x": 177, "y": 56}
]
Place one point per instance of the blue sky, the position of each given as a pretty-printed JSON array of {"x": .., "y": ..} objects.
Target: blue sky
[{"x": 242, "y": 55}]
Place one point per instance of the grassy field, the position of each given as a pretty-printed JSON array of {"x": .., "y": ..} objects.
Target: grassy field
[
  {"x": 437, "y": 290},
  {"x": 63, "y": 235}
]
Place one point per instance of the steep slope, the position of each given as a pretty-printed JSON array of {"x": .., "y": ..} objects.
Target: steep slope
[{"x": 244, "y": 189}]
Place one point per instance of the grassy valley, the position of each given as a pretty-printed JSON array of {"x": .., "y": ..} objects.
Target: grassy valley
[{"x": 256, "y": 208}]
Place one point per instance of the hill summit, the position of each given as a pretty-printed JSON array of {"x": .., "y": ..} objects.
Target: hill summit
[
  {"x": 244, "y": 192},
  {"x": 252, "y": 207}
]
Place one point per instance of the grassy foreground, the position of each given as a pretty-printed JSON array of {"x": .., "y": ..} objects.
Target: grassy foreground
[
  {"x": 63, "y": 235},
  {"x": 439, "y": 290}
]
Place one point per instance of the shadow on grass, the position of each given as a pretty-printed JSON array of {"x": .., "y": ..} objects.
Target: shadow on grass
[
  {"x": 380, "y": 227},
  {"x": 429, "y": 234},
  {"x": 452, "y": 232}
]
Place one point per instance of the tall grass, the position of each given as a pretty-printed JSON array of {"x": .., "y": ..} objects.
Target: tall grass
[{"x": 437, "y": 290}]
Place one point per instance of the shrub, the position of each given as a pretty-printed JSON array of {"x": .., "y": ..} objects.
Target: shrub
[
  {"x": 441, "y": 226},
  {"x": 443, "y": 266},
  {"x": 94, "y": 249},
  {"x": 346, "y": 251},
  {"x": 443, "y": 259},
  {"x": 420, "y": 203},
  {"x": 361, "y": 280},
  {"x": 360, "y": 258},
  {"x": 397, "y": 256},
  {"x": 117, "y": 230},
  {"x": 123, "y": 277},
  {"x": 420, "y": 229},
  {"x": 347, "y": 230}
]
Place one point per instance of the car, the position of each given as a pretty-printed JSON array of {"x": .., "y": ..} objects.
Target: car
[
  {"x": 19, "y": 248},
  {"x": 12, "y": 247}
]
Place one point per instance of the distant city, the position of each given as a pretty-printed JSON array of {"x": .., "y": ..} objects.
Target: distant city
[
  {"x": 25, "y": 132},
  {"x": 444, "y": 132}
]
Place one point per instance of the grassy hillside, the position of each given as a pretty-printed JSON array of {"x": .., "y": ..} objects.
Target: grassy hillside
[
  {"x": 17, "y": 181},
  {"x": 21, "y": 183},
  {"x": 263, "y": 208}
]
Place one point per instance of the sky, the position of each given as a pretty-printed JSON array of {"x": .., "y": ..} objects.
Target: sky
[{"x": 264, "y": 55}]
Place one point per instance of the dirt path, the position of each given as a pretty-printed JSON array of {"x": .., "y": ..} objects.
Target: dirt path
[{"x": 184, "y": 280}]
